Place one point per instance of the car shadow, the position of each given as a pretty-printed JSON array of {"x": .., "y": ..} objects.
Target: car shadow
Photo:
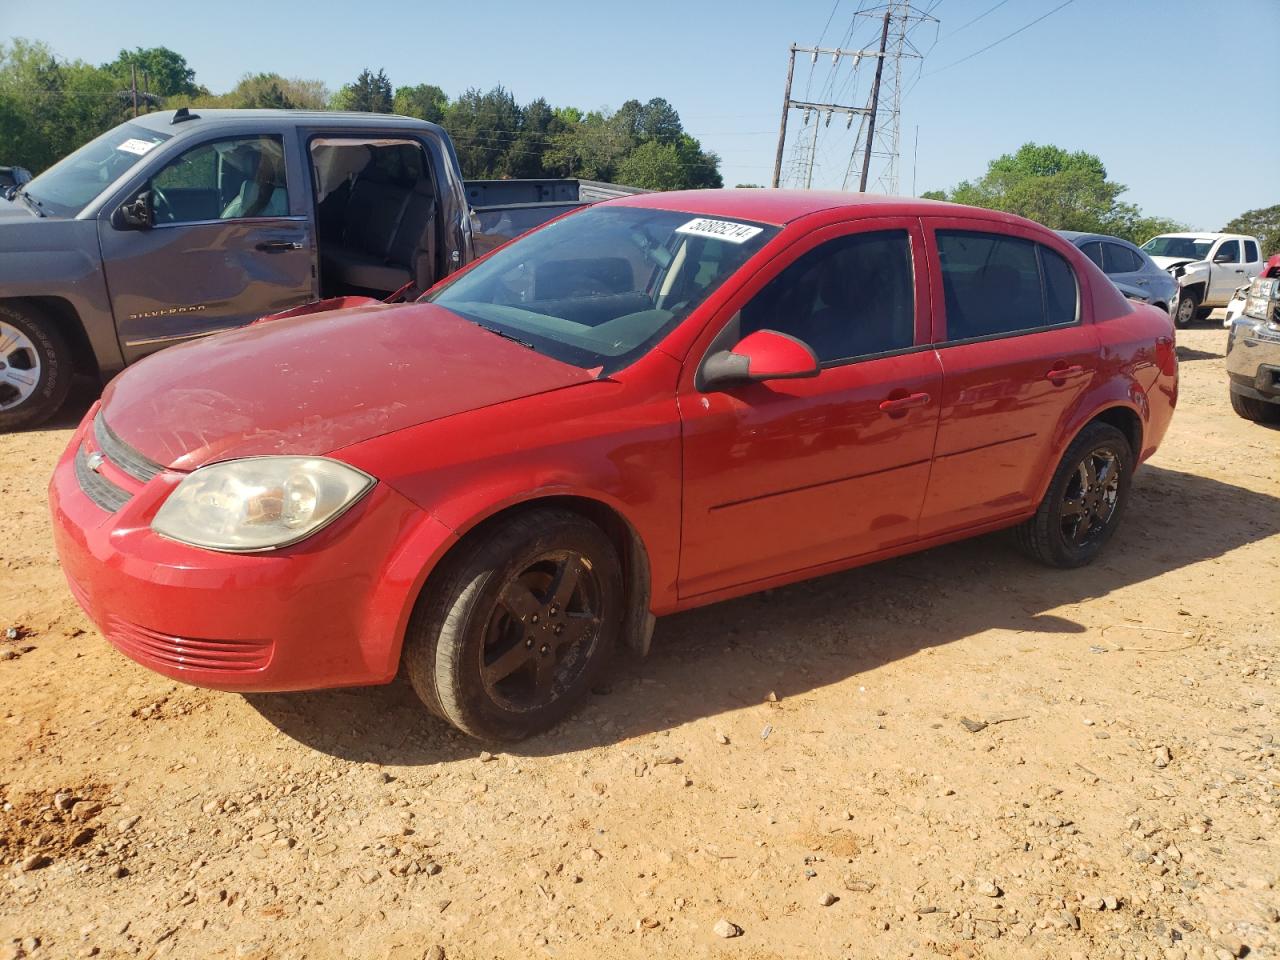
[
  {"x": 1186, "y": 354},
  {"x": 799, "y": 638}
]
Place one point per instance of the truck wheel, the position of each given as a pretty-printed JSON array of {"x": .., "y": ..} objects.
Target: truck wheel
[
  {"x": 1187, "y": 308},
  {"x": 513, "y": 631},
  {"x": 1085, "y": 500},
  {"x": 1251, "y": 408},
  {"x": 35, "y": 367}
]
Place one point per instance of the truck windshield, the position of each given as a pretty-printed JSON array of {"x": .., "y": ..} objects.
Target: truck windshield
[
  {"x": 600, "y": 287},
  {"x": 1189, "y": 247},
  {"x": 67, "y": 187}
]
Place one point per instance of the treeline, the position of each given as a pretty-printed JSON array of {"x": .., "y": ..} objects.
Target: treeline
[{"x": 49, "y": 106}]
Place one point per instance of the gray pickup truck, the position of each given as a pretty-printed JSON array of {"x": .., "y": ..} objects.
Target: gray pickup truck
[{"x": 180, "y": 224}]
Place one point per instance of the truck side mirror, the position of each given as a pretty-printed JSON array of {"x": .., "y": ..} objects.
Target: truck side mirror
[
  {"x": 1223, "y": 256},
  {"x": 135, "y": 214}
]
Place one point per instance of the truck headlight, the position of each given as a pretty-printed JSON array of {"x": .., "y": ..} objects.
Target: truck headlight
[{"x": 259, "y": 503}]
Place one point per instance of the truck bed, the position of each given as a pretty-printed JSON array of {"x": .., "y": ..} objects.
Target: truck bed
[{"x": 504, "y": 209}]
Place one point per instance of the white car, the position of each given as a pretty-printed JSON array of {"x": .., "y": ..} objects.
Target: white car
[{"x": 1209, "y": 267}]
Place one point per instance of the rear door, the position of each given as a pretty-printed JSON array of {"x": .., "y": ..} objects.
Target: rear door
[
  {"x": 791, "y": 474},
  {"x": 1252, "y": 259},
  {"x": 1015, "y": 359},
  {"x": 231, "y": 241},
  {"x": 1123, "y": 265}
]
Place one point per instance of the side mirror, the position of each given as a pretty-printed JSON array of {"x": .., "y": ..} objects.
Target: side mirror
[
  {"x": 135, "y": 214},
  {"x": 763, "y": 355},
  {"x": 1223, "y": 256}
]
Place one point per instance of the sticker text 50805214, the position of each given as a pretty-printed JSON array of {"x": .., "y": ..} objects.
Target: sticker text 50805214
[{"x": 720, "y": 229}]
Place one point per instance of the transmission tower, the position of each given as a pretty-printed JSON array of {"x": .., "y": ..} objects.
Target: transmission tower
[{"x": 900, "y": 21}]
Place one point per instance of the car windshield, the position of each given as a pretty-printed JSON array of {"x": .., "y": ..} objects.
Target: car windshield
[
  {"x": 1190, "y": 247},
  {"x": 600, "y": 287},
  {"x": 67, "y": 187}
]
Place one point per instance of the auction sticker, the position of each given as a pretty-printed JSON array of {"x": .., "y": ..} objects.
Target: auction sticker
[
  {"x": 720, "y": 229},
  {"x": 134, "y": 145}
]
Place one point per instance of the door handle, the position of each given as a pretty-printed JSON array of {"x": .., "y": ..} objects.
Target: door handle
[
  {"x": 278, "y": 246},
  {"x": 1064, "y": 372},
  {"x": 894, "y": 405}
]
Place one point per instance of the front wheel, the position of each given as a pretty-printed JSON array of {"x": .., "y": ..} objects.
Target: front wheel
[
  {"x": 1085, "y": 500},
  {"x": 1186, "y": 309},
  {"x": 35, "y": 367},
  {"x": 1251, "y": 408},
  {"x": 513, "y": 631}
]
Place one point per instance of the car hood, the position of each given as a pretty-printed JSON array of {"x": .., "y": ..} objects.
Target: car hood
[
  {"x": 1167, "y": 263},
  {"x": 18, "y": 211},
  {"x": 314, "y": 384}
]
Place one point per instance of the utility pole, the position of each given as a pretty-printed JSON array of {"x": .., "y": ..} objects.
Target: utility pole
[
  {"x": 814, "y": 107},
  {"x": 875, "y": 103},
  {"x": 133, "y": 86}
]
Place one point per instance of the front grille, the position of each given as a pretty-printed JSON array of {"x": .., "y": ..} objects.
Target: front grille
[
  {"x": 137, "y": 465},
  {"x": 98, "y": 488},
  {"x": 187, "y": 653}
]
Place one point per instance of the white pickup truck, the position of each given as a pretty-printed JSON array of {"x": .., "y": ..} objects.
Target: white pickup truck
[{"x": 1208, "y": 267}]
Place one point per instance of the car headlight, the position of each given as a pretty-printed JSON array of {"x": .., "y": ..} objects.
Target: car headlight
[{"x": 259, "y": 503}]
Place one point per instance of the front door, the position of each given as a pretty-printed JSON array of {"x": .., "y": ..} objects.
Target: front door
[
  {"x": 1015, "y": 359},
  {"x": 788, "y": 475},
  {"x": 226, "y": 246},
  {"x": 1227, "y": 272}
]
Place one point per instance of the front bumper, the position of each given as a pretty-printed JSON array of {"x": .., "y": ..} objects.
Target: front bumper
[
  {"x": 1253, "y": 359},
  {"x": 329, "y": 611}
]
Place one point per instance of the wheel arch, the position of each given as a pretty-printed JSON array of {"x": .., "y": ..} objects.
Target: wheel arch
[{"x": 632, "y": 552}]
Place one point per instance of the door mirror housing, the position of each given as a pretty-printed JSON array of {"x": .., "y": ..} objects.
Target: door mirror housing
[
  {"x": 135, "y": 214},
  {"x": 1223, "y": 256},
  {"x": 760, "y": 356}
]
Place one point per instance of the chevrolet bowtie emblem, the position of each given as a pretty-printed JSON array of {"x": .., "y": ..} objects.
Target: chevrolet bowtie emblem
[{"x": 95, "y": 462}]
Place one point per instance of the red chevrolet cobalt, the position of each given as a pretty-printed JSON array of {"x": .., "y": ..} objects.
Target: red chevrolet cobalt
[{"x": 658, "y": 402}]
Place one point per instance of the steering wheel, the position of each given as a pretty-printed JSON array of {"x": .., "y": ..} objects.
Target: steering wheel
[{"x": 161, "y": 209}]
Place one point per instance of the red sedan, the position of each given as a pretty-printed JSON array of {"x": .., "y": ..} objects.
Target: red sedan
[{"x": 658, "y": 402}]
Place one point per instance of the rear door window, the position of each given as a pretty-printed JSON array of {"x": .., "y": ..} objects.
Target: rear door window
[
  {"x": 995, "y": 284},
  {"x": 1118, "y": 259},
  {"x": 1251, "y": 252}
]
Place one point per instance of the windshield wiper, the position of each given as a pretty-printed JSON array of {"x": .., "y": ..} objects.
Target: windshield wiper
[
  {"x": 507, "y": 336},
  {"x": 32, "y": 202}
]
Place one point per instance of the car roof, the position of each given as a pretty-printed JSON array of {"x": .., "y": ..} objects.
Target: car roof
[
  {"x": 779, "y": 207},
  {"x": 1075, "y": 236},
  {"x": 163, "y": 120},
  {"x": 1206, "y": 235}
]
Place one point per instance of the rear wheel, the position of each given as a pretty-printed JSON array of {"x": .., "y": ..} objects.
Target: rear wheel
[
  {"x": 1251, "y": 408},
  {"x": 517, "y": 627},
  {"x": 1187, "y": 307},
  {"x": 1085, "y": 500},
  {"x": 35, "y": 367}
]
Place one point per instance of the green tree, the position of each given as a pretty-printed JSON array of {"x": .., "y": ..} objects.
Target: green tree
[
  {"x": 424, "y": 101},
  {"x": 1263, "y": 223},
  {"x": 1060, "y": 189},
  {"x": 484, "y": 128},
  {"x": 370, "y": 93},
  {"x": 164, "y": 72},
  {"x": 654, "y": 166}
]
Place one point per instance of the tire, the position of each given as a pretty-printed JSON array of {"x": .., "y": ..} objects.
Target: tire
[
  {"x": 498, "y": 593},
  {"x": 36, "y": 367},
  {"x": 1053, "y": 536},
  {"x": 1251, "y": 408},
  {"x": 1186, "y": 308}
]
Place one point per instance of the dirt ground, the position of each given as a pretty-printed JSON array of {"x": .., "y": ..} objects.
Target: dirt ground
[{"x": 808, "y": 765}]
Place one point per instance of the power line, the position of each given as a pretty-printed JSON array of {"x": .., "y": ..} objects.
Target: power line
[
  {"x": 970, "y": 23},
  {"x": 1007, "y": 36}
]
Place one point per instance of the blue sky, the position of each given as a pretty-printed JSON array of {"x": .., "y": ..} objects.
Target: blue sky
[{"x": 1167, "y": 92}]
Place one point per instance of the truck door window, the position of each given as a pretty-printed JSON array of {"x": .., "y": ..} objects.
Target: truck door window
[
  {"x": 1251, "y": 252},
  {"x": 232, "y": 179},
  {"x": 1229, "y": 252}
]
